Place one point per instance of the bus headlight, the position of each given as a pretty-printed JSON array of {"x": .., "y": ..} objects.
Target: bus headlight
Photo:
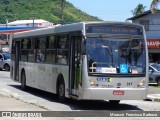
[
  {"x": 92, "y": 83},
  {"x": 141, "y": 83}
]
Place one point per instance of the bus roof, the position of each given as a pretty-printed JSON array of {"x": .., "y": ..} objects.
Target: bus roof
[{"x": 67, "y": 28}]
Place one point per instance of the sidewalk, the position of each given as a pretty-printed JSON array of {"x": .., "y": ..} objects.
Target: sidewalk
[
  {"x": 153, "y": 93},
  {"x": 12, "y": 105}
]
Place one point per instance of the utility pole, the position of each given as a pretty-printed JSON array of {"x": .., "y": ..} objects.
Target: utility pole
[
  {"x": 62, "y": 11},
  {"x": 33, "y": 17}
]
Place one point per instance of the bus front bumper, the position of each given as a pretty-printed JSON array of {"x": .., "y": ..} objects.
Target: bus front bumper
[{"x": 114, "y": 93}]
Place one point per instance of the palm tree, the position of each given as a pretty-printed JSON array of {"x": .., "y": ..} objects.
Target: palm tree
[
  {"x": 138, "y": 10},
  {"x": 154, "y": 5}
]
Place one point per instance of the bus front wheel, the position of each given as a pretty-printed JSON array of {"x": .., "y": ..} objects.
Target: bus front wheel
[
  {"x": 61, "y": 91},
  {"x": 23, "y": 81},
  {"x": 114, "y": 102}
]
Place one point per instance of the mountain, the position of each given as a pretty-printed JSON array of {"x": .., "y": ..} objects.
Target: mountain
[{"x": 49, "y": 10}]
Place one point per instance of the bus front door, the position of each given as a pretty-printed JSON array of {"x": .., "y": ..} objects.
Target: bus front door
[{"x": 75, "y": 68}]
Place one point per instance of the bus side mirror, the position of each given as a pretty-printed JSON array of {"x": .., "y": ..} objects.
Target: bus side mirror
[{"x": 83, "y": 47}]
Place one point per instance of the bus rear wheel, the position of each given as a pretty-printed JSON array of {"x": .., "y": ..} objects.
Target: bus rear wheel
[
  {"x": 23, "y": 81},
  {"x": 61, "y": 91},
  {"x": 114, "y": 102}
]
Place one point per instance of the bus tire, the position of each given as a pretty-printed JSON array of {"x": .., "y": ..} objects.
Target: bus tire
[
  {"x": 114, "y": 102},
  {"x": 23, "y": 81},
  {"x": 6, "y": 67},
  {"x": 61, "y": 91}
]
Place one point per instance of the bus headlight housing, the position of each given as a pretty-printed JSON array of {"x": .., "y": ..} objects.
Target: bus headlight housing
[
  {"x": 141, "y": 83},
  {"x": 92, "y": 82}
]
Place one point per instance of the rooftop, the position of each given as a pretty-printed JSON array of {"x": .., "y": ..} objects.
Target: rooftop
[
  {"x": 143, "y": 14},
  {"x": 28, "y": 21}
]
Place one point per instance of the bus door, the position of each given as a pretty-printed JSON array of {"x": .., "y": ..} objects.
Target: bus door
[
  {"x": 75, "y": 65},
  {"x": 16, "y": 62}
]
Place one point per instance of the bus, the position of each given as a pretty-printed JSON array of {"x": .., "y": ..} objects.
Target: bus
[{"x": 83, "y": 61}]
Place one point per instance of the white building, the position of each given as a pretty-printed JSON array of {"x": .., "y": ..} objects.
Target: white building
[{"x": 31, "y": 23}]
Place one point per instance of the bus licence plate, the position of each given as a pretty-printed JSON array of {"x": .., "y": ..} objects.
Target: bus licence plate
[{"x": 118, "y": 92}]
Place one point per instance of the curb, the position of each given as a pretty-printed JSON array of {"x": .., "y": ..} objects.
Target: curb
[{"x": 154, "y": 97}]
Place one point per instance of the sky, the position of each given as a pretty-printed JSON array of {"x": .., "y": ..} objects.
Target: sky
[{"x": 110, "y": 10}]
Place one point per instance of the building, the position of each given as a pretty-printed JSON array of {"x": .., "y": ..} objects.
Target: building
[
  {"x": 23, "y": 25},
  {"x": 151, "y": 24},
  {"x": 6, "y": 30}
]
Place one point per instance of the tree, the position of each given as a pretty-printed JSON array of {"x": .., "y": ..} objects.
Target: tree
[
  {"x": 154, "y": 5},
  {"x": 138, "y": 10}
]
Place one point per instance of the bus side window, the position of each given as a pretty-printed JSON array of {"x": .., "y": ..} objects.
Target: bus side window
[
  {"x": 51, "y": 42},
  {"x": 51, "y": 49},
  {"x": 40, "y": 56},
  {"x": 22, "y": 42},
  {"x": 62, "y": 49},
  {"x": 50, "y": 56},
  {"x": 29, "y": 44},
  {"x": 41, "y": 46},
  {"x": 62, "y": 57}
]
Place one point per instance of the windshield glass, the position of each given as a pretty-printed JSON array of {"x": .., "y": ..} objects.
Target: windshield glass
[
  {"x": 156, "y": 66},
  {"x": 113, "y": 55}
]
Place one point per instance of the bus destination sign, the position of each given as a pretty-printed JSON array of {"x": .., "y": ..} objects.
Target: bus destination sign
[{"x": 115, "y": 30}]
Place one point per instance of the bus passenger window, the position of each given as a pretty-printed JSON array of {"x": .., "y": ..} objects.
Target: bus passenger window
[
  {"x": 62, "y": 42},
  {"x": 29, "y": 44},
  {"x": 22, "y": 41},
  {"x": 40, "y": 56},
  {"x": 51, "y": 42},
  {"x": 62, "y": 57},
  {"x": 50, "y": 56},
  {"x": 41, "y": 42}
]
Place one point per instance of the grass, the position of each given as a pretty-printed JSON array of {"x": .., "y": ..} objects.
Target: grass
[
  {"x": 156, "y": 86},
  {"x": 157, "y": 100}
]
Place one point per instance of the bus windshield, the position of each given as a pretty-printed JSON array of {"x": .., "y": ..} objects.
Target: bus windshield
[{"x": 116, "y": 55}]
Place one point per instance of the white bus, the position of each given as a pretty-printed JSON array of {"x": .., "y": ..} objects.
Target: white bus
[{"x": 84, "y": 61}]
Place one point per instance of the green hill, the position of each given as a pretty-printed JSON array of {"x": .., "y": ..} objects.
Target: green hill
[{"x": 49, "y": 10}]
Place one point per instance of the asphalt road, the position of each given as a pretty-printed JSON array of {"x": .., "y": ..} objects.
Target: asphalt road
[
  {"x": 153, "y": 89},
  {"x": 48, "y": 101}
]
